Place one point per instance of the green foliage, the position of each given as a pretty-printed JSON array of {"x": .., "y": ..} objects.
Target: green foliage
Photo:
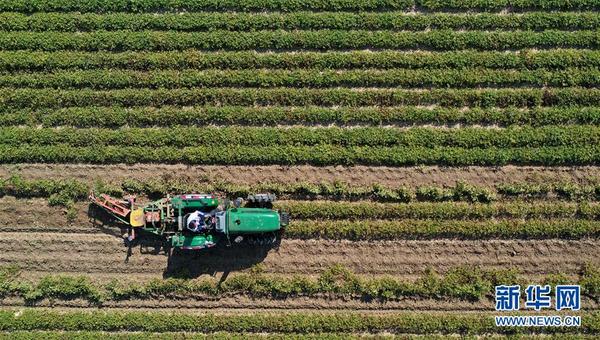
[
  {"x": 439, "y": 40},
  {"x": 59, "y": 192},
  {"x": 168, "y": 116},
  {"x": 525, "y": 190},
  {"x": 64, "y": 288},
  {"x": 339, "y": 96},
  {"x": 558, "y": 279},
  {"x": 438, "y": 211},
  {"x": 303, "y": 323},
  {"x": 565, "y": 191},
  {"x": 304, "y": 78},
  {"x": 285, "y": 5},
  {"x": 319, "y": 155},
  {"x": 423, "y": 229},
  {"x": 9, "y": 281},
  {"x": 521, "y": 97},
  {"x": 337, "y": 282},
  {"x": 461, "y": 192},
  {"x": 243, "y": 60},
  {"x": 239, "y": 21},
  {"x": 467, "y": 137},
  {"x": 60, "y": 199},
  {"x": 91, "y": 335},
  {"x": 590, "y": 281}
]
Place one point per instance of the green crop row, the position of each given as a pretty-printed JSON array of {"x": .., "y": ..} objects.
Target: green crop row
[
  {"x": 77, "y": 190},
  {"x": 124, "y": 335},
  {"x": 336, "y": 190},
  {"x": 11, "y": 99},
  {"x": 293, "y": 40},
  {"x": 286, "y": 5},
  {"x": 74, "y": 22},
  {"x": 329, "y": 210},
  {"x": 296, "y": 155},
  {"x": 305, "y": 322},
  {"x": 316, "y": 78},
  {"x": 496, "y": 5},
  {"x": 335, "y": 282},
  {"x": 567, "y": 191},
  {"x": 91, "y": 335},
  {"x": 411, "y": 229},
  {"x": 468, "y": 137},
  {"x": 168, "y": 116},
  {"x": 552, "y": 59}
]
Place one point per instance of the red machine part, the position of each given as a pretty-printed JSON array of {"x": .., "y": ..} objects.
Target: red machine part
[
  {"x": 152, "y": 216},
  {"x": 117, "y": 207}
]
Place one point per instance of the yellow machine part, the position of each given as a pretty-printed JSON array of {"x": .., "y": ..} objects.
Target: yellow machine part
[{"x": 136, "y": 218}]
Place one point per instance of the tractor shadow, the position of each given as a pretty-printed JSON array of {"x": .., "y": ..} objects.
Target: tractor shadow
[
  {"x": 104, "y": 222},
  {"x": 220, "y": 259},
  {"x": 185, "y": 264}
]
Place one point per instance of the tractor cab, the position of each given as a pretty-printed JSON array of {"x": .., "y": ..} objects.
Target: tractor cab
[{"x": 186, "y": 205}]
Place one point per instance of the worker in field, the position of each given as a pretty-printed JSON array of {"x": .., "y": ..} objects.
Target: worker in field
[{"x": 196, "y": 222}]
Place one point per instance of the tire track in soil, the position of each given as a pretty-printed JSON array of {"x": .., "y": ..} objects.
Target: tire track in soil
[{"x": 101, "y": 253}]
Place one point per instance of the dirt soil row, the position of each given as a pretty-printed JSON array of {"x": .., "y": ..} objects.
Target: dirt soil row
[
  {"x": 299, "y": 303},
  {"x": 103, "y": 253},
  {"x": 309, "y": 304},
  {"x": 357, "y": 175}
]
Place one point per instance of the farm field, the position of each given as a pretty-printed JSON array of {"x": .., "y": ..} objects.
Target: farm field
[{"x": 426, "y": 152}]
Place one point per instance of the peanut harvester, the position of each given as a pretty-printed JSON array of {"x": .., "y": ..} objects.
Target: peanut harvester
[{"x": 224, "y": 221}]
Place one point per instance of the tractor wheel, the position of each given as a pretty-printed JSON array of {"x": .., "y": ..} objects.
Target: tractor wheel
[{"x": 262, "y": 198}]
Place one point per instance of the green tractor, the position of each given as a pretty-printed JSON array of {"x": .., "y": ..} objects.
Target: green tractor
[{"x": 199, "y": 221}]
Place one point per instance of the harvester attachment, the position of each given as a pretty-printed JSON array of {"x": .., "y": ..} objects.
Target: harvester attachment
[{"x": 117, "y": 208}]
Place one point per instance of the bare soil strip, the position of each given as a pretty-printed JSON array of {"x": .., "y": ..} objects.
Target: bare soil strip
[
  {"x": 297, "y": 303},
  {"x": 103, "y": 253},
  {"x": 35, "y": 215},
  {"x": 357, "y": 175},
  {"x": 247, "y": 303}
]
